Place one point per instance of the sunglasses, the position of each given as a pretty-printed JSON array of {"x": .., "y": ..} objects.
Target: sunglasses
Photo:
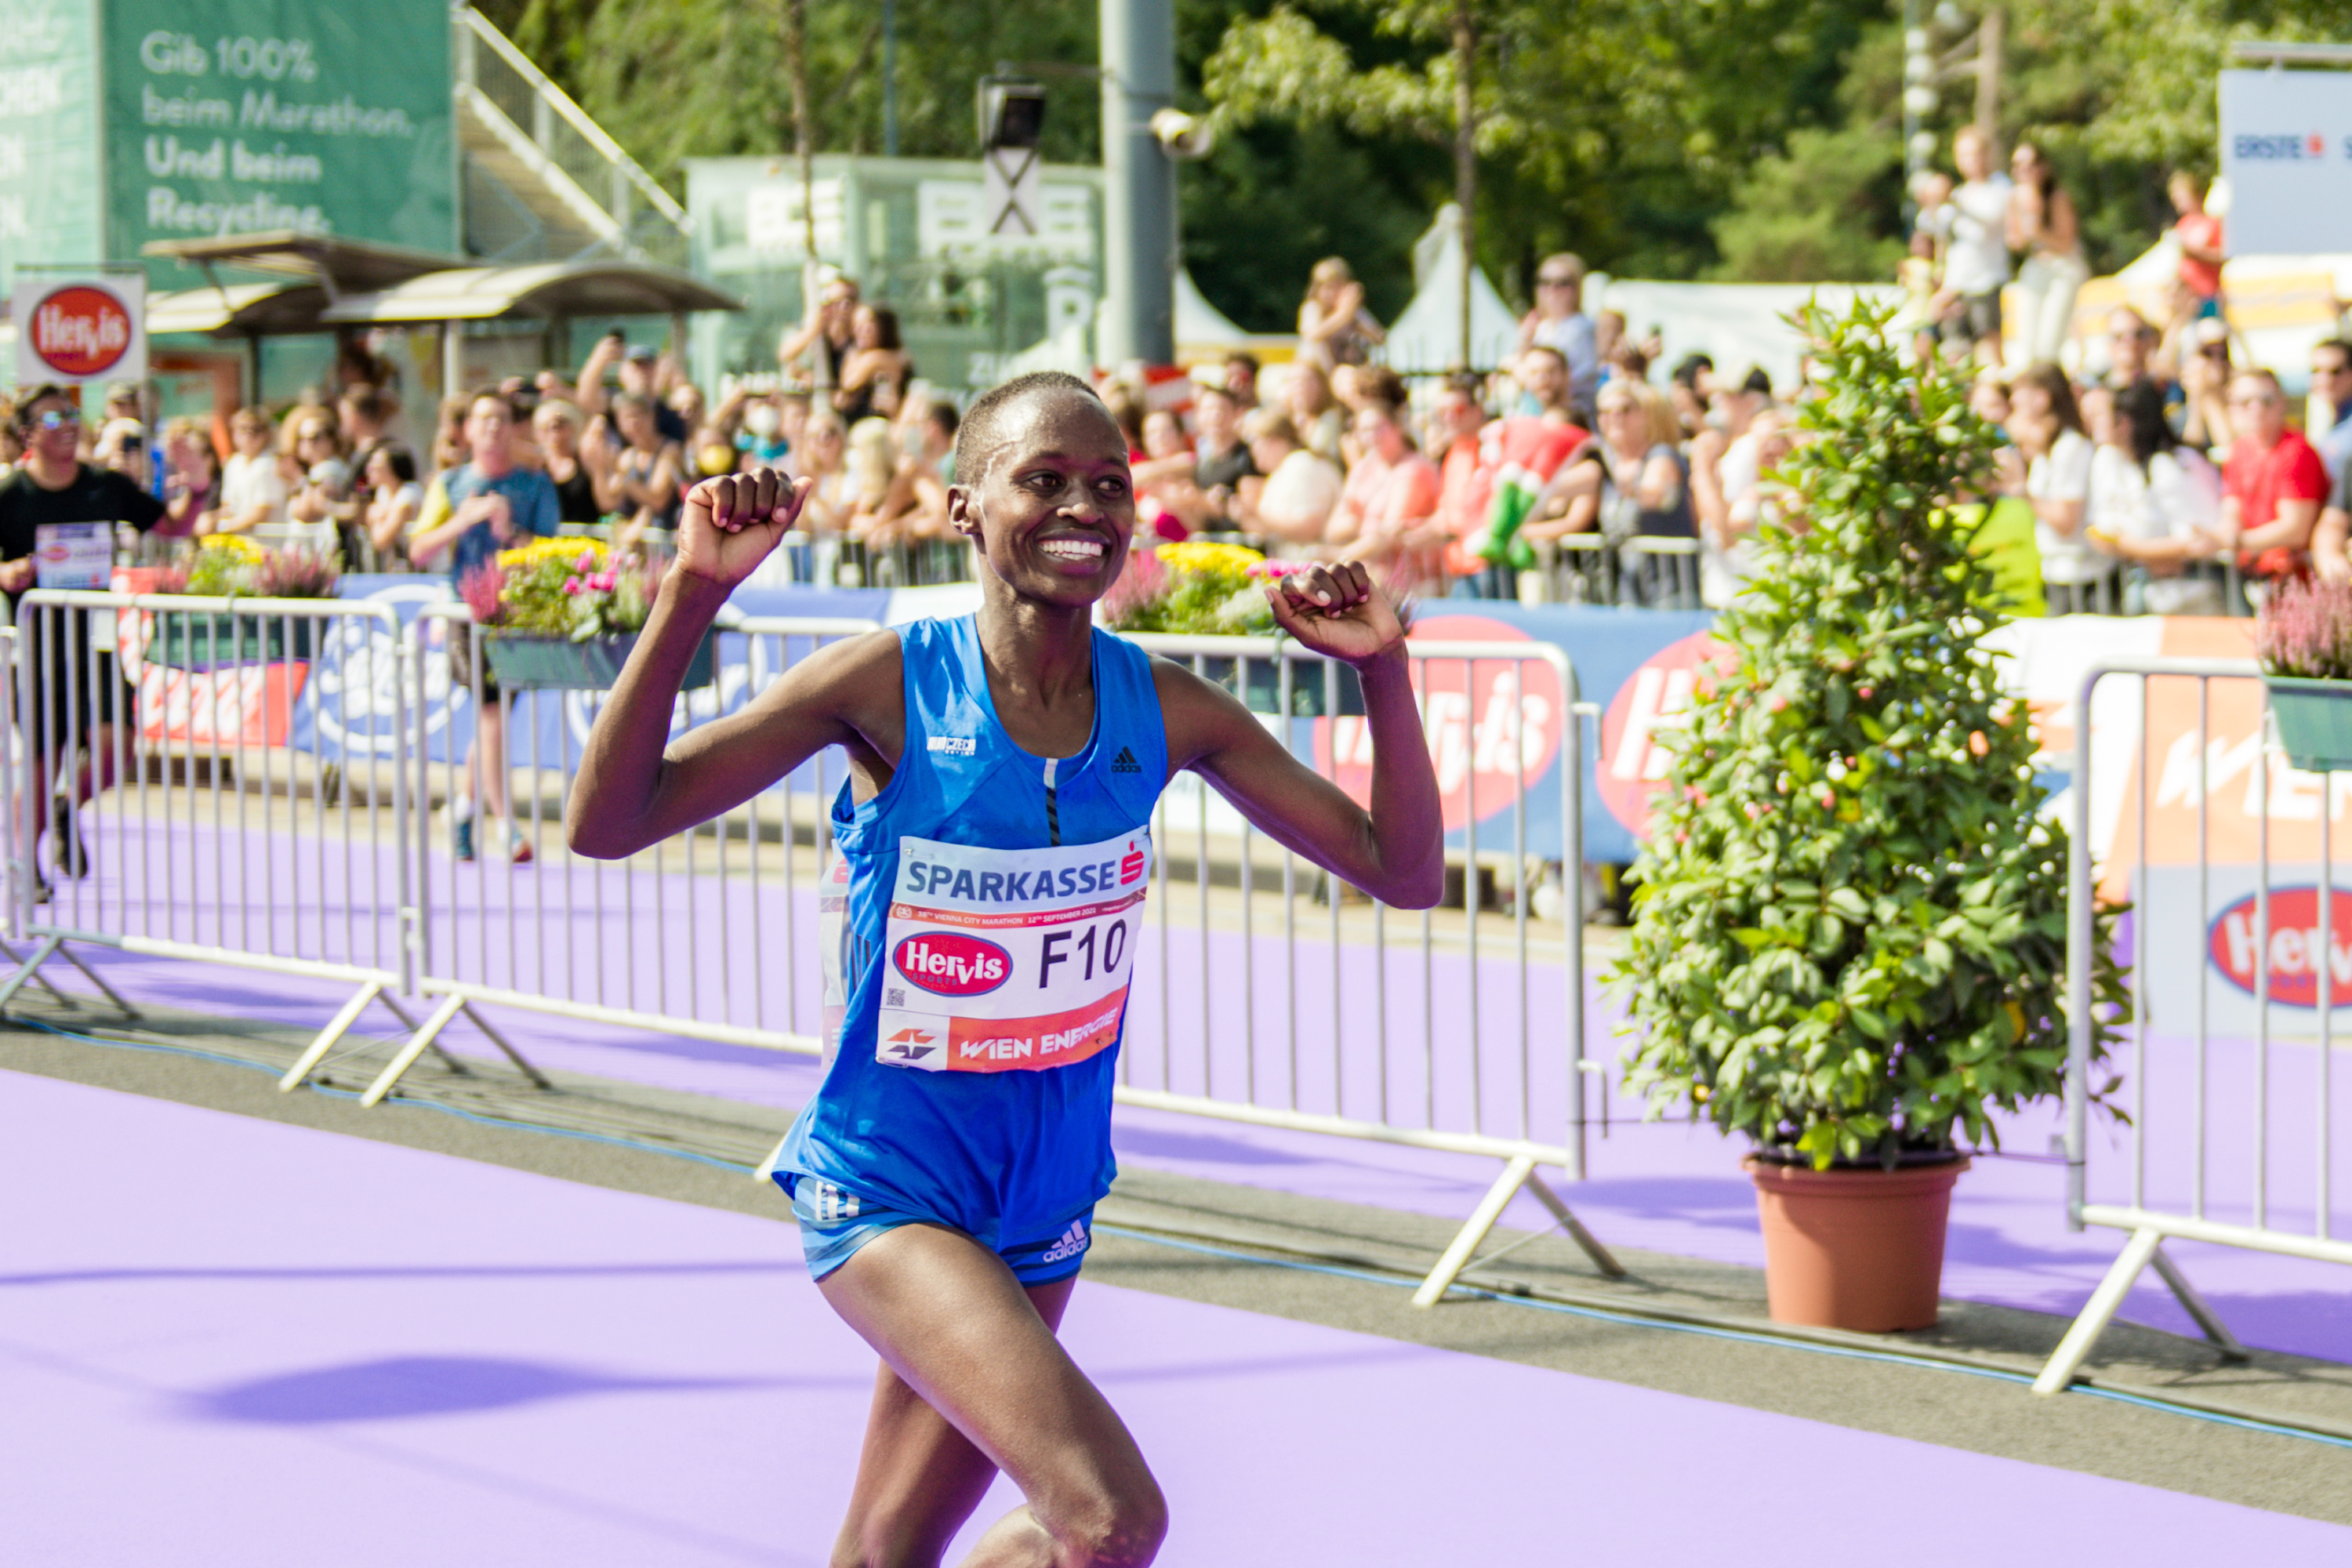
[
  {"x": 1555, "y": 282},
  {"x": 56, "y": 419}
]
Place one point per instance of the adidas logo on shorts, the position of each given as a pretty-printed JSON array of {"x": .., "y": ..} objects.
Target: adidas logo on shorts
[
  {"x": 1125, "y": 763},
  {"x": 1073, "y": 1242},
  {"x": 831, "y": 1204}
]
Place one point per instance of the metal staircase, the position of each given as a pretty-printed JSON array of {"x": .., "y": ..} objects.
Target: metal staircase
[{"x": 542, "y": 180}]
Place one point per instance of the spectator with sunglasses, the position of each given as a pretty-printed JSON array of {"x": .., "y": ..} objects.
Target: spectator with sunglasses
[
  {"x": 76, "y": 690},
  {"x": 1559, "y": 323}
]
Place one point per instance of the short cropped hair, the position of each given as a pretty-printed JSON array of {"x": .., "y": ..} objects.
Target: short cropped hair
[{"x": 985, "y": 426}]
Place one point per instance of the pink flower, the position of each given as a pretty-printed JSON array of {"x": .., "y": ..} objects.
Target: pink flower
[
  {"x": 587, "y": 562},
  {"x": 571, "y": 584},
  {"x": 602, "y": 582}
]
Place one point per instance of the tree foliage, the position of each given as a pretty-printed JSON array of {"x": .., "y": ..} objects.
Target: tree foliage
[{"x": 1849, "y": 936}]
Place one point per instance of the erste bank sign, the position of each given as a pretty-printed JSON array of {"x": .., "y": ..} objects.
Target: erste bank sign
[{"x": 2286, "y": 150}]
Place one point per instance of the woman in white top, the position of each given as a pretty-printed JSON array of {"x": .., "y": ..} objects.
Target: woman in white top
[
  {"x": 394, "y": 501},
  {"x": 2047, "y": 427},
  {"x": 1292, "y": 504},
  {"x": 252, "y": 490},
  {"x": 2154, "y": 501},
  {"x": 2043, "y": 224}
]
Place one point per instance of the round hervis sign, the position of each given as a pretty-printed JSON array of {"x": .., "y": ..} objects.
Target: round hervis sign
[
  {"x": 2234, "y": 940},
  {"x": 1632, "y": 757},
  {"x": 80, "y": 331},
  {"x": 1492, "y": 724}
]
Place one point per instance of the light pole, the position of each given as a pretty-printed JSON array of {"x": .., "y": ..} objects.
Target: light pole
[{"x": 1139, "y": 79}]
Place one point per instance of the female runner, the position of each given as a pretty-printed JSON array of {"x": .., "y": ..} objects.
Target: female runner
[{"x": 995, "y": 835}]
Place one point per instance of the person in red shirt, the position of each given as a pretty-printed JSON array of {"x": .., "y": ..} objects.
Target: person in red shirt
[
  {"x": 2200, "y": 233},
  {"x": 1466, "y": 480},
  {"x": 2272, "y": 483}
]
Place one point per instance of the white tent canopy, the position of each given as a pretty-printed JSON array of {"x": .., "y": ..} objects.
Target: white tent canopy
[
  {"x": 1197, "y": 321},
  {"x": 1737, "y": 325},
  {"x": 1427, "y": 337}
]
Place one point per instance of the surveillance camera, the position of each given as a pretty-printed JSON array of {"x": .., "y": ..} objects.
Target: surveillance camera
[{"x": 1184, "y": 136}]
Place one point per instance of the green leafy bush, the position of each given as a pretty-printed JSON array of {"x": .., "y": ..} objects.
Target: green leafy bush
[{"x": 1849, "y": 936}]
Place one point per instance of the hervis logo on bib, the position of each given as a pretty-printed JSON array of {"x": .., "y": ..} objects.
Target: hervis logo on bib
[{"x": 952, "y": 963}]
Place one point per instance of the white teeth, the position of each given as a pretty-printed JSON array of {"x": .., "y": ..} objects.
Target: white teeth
[{"x": 1073, "y": 549}]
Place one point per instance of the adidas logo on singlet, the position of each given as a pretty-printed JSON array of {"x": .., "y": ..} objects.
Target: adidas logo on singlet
[
  {"x": 1125, "y": 763},
  {"x": 1073, "y": 1242}
]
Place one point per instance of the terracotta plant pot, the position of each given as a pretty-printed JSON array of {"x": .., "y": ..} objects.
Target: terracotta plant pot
[{"x": 1854, "y": 1249}]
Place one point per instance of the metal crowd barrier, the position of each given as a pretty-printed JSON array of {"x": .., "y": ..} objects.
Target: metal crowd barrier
[
  {"x": 838, "y": 561},
  {"x": 1419, "y": 1028},
  {"x": 710, "y": 933},
  {"x": 287, "y": 778},
  {"x": 175, "y": 820},
  {"x": 1645, "y": 571},
  {"x": 2202, "y": 1063}
]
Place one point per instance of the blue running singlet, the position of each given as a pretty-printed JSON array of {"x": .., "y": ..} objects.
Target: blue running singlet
[{"x": 981, "y": 926}]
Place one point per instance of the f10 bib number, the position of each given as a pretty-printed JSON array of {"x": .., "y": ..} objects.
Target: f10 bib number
[{"x": 1005, "y": 960}]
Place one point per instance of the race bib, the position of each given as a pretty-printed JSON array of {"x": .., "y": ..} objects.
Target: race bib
[
  {"x": 1006, "y": 960},
  {"x": 73, "y": 556}
]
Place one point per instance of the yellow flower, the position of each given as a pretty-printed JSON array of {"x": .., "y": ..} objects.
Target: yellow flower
[
  {"x": 563, "y": 548},
  {"x": 1231, "y": 558},
  {"x": 233, "y": 544}
]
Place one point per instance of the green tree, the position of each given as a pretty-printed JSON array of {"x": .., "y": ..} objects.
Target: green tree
[{"x": 1849, "y": 937}]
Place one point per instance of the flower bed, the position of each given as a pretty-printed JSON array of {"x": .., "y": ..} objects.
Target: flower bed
[
  {"x": 562, "y": 614},
  {"x": 229, "y": 567},
  {"x": 1199, "y": 589}
]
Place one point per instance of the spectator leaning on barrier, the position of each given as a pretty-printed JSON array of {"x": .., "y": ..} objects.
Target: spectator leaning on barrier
[
  {"x": 2154, "y": 502},
  {"x": 191, "y": 478},
  {"x": 252, "y": 491},
  {"x": 2206, "y": 375},
  {"x": 395, "y": 499},
  {"x": 2331, "y": 381},
  {"x": 74, "y": 689},
  {"x": 490, "y": 505},
  {"x": 2051, "y": 468},
  {"x": 1559, "y": 323},
  {"x": 1387, "y": 511},
  {"x": 1224, "y": 458},
  {"x": 2272, "y": 483},
  {"x": 1291, "y": 507},
  {"x": 1466, "y": 488}
]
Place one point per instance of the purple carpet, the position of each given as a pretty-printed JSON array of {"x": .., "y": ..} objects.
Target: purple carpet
[
  {"x": 232, "y": 1342},
  {"x": 1667, "y": 1187}
]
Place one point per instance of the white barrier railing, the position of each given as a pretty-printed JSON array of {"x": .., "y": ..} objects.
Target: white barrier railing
[
  {"x": 178, "y": 823},
  {"x": 1500, "y": 717},
  {"x": 2228, "y": 1052},
  {"x": 675, "y": 939},
  {"x": 289, "y": 777}
]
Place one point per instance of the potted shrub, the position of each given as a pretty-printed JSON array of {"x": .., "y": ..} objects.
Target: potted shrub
[
  {"x": 561, "y": 613},
  {"x": 1848, "y": 942},
  {"x": 1203, "y": 589},
  {"x": 2303, "y": 638},
  {"x": 230, "y": 566}
]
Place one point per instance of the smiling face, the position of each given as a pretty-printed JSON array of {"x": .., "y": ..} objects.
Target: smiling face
[{"x": 1054, "y": 511}]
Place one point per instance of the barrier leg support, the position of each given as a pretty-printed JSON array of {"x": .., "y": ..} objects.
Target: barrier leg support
[
  {"x": 1482, "y": 1220},
  {"x": 1602, "y": 1258},
  {"x": 337, "y": 1027},
  {"x": 27, "y": 970},
  {"x": 456, "y": 1064},
  {"x": 2098, "y": 1313},
  {"x": 12, "y": 956},
  {"x": 433, "y": 1024},
  {"x": 513, "y": 1055},
  {"x": 91, "y": 976},
  {"x": 2198, "y": 1307}
]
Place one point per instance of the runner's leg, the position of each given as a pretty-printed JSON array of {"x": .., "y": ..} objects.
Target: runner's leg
[
  {"x": 918, "y": 1478},
  {"x": 982, "y": 1381}
]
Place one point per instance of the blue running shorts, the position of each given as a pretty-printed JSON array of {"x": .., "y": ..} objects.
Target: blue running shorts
[{"x": 835, "y": 1222}]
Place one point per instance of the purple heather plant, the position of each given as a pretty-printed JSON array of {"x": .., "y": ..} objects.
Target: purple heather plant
[{"x": 2305, "y": 630}]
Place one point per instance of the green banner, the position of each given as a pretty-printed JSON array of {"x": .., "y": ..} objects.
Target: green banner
[
  {"x": 49, "y": 136},
  {"x": 238, "y": 116}
]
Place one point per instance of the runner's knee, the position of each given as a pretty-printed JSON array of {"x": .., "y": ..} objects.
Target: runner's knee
[{"x": 1122, "y": 1529}]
